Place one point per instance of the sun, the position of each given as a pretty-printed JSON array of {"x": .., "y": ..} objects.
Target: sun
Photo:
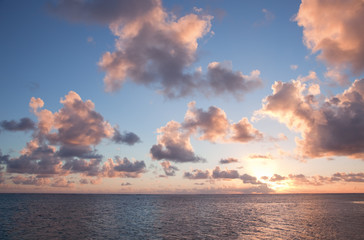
[{"x": 262, "y": 168}]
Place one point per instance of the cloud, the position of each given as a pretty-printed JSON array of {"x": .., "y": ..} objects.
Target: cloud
[
  {"x": 169, "y": 170},
  {"x": 90, "y": 180},
  {"x": 83, "y": 181},
  {"x": 333, "y": 127},
  {"x": 338, "y": 36},
  {"x": 228, "y": 160},
  {"x": 268, "y": 17},
  {"x": 4, "y": 158},
  {"x": 312, "y": 76},
  {"x": 277, "y": 178},
  {"x": 30, "y": 180},
  {"x": 262, "y": 188},
  {"x": 125, "y": 184},
  {"x": 222, "y": 79},
  {"x": 41, "y": 160},
  {"x": 212, "y": 124},
  {"x": 77, "y": 123},
  {"x": 69, "y": 151},
  {"x": 24, "y": 124},
  {"x": 89, "y": 168},
  {"x": 293, "y": 67},
  {"x": 226, "y": 174},
  {"x": 348, "y": 177},
  {"x": 249, "y": 179},
  {"x": 64, "y": 143},
  {"x": 62, "y": 183},
  {"x": 260, "y": 156},
  {"x": 2, "y": 178},
  {"x": 318, "y": 180},
  {"x": 128, "y": 138},
  {"x": 157, "y": 49},
  {"x": 174, "y": 145},
  {"x": 122, "y": 168},
  {"x": 200, "y": 184},
  {"x": 197, "y": 174},
  {"x": 243, "y": 132}
]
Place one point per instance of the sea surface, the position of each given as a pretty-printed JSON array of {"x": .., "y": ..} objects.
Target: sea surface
[{"x": 92, "y": 216}]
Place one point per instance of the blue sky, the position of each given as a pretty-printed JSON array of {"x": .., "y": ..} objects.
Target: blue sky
[{"x": 45, "y": 54}]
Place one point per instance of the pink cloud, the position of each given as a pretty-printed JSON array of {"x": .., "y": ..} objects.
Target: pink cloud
[
  {"x": 328, "y": 128},
  {"x": 334, "y": 28}
]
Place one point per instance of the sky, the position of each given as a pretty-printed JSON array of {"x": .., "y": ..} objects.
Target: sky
[{"x": 192, "y": 97}]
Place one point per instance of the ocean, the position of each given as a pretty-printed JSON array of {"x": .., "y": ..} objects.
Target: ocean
[{"x": 93, "y": 216}]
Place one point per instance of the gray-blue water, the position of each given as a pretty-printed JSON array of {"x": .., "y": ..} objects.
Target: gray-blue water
[{"x": 77, "y": 216}]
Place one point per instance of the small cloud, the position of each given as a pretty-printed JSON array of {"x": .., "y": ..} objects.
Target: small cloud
[
  {"x": 128, "y": 138},
  {"x": 90, "y": 40},
  {"x": 268, "y": 17},
  {"x": 197, "y": 174},
  {"x": 199, "y": 184},
  {"x": 228, "y": 160},
  {"x": 125, "y": 184},
  {"x": 197, "y": 10},
  {"x": 260, "y": 156},
  {"x": 24, "y": 124},
  {"x": 293, "y": 67},
  {"x": 32, "y": 85}
]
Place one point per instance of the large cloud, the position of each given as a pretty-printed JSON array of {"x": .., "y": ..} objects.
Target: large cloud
[
  {"x": 329, "y": 128},
  {"x": 335, "y": 29},
  {"x": 64, "y": 143},
  {"x": 40, "y": 160},
  {"x": 77, "y": 123},
  {"x": 157, "y": 49}
]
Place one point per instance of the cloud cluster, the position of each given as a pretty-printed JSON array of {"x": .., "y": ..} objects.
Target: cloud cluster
[
  {"x": 333, "y": 127},
  {"x": 318, "y": 180},
  {"x": 217, "y": 173},
  {"x": 174, "y": 144},
  {"x": 31, "y": 180},
  {"x": 122, "y": 168},
  {"x": 64, "y": 143},
  {"x": 157, "y": 49},
  {"x": 334, "y": 28}
]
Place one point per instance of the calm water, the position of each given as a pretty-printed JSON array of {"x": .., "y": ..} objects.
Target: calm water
[{"x": 63, "y": 216}]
